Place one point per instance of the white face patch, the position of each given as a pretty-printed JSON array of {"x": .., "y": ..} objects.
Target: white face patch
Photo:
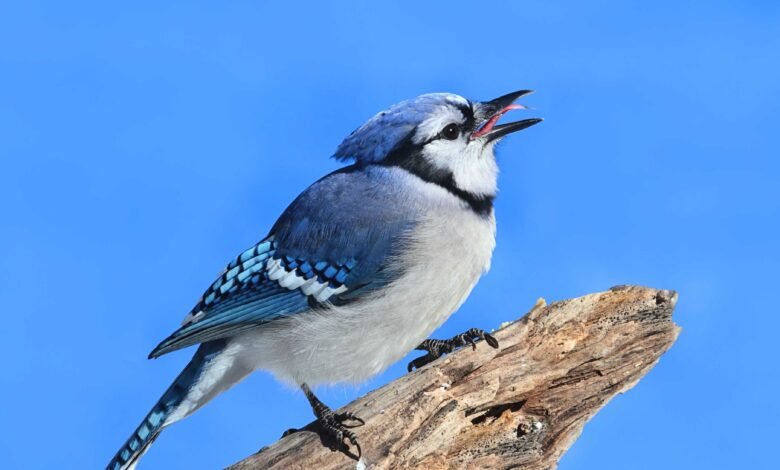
[{"x": 471, "y": 162}]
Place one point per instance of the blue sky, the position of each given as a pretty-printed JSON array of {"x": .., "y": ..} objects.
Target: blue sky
[{"x": 145, "y": 144}]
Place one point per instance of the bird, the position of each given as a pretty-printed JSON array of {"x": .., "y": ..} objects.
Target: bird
[{"x": 357, "y": 272}]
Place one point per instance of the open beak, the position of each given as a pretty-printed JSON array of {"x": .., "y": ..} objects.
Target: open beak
[{"x": 489, "y": 112}]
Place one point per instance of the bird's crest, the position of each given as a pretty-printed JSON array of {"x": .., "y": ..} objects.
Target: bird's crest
[{"x": 381, "y": 134}]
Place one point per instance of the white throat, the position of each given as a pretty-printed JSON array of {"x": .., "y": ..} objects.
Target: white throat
[{"x": 473, "y": 168}]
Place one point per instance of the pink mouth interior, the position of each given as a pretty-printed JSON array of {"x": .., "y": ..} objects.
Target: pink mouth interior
[{"x": 488, "y": 126}]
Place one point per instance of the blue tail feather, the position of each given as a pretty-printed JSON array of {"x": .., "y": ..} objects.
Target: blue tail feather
[{"x": 153, "y": 423}]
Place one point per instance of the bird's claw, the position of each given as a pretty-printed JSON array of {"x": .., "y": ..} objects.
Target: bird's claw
[
  {"x": 438, "y": 347},
  {"x": 333, "y": 425},
  {"x": 347, "y": 415}
]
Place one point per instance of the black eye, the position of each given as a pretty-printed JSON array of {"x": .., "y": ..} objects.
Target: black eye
[{"x": 451, "y": 132}]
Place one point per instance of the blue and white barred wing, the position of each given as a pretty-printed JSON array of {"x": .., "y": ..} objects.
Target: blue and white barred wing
[{"x": 315, "y": 256}]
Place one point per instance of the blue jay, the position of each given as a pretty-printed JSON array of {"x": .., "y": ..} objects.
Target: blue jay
[{"x": 358, "y": 270}]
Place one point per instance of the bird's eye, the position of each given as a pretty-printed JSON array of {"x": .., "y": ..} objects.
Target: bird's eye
[{"x": 450, "y": 132}]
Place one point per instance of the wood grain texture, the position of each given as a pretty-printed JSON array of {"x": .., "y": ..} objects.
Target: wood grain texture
[{"x": 520, "y": 406}]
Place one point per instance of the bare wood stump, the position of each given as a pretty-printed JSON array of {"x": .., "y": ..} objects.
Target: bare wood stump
[{"x": 521, "y": 406}]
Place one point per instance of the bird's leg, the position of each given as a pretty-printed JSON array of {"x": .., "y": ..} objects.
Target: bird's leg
[
  {"x": 438, "y": 347},
  {"x": 332, "y": 423}
]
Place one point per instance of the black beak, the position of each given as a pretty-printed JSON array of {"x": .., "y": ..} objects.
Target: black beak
[
  {"x": 488, "y": 113},
  {"x": 505, "y": 129},
  {"x": 497, "y": 105}
]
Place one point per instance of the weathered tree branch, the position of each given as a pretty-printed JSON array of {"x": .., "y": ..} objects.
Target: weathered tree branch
[{"x": 521, "y": 406}]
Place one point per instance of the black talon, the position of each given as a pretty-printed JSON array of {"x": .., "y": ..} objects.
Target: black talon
[
  {"x": 491, "y": 341},
  {"x": 347, "y": 415},
  {"x": 438, "y": 347},
  {"x": 333, "y": 424},
  {"x": 353, "y": 439}
]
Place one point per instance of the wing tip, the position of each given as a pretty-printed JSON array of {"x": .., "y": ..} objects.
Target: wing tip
[
  {"x": 164, "y": 347},
  {"x": 156, "y": 352}
]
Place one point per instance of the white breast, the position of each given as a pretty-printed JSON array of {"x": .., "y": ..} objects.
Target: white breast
[{"x": 447, "y": 253}]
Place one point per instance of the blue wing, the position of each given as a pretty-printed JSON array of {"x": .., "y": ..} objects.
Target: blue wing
[{"x": 331, "y": 246}]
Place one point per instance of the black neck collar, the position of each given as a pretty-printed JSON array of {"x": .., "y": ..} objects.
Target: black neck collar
[{"x": 408, "y": 157}]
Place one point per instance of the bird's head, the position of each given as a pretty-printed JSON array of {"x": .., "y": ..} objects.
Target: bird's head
[{"x": 441, "y": 137}]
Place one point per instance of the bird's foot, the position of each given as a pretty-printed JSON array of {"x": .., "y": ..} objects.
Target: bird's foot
[
  {"x": 334, "y": 425},
  {"x": 438, "y": 347}
]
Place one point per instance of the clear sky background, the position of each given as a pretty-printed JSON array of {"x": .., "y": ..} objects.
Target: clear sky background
[{"x": 143, "y": 145}]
